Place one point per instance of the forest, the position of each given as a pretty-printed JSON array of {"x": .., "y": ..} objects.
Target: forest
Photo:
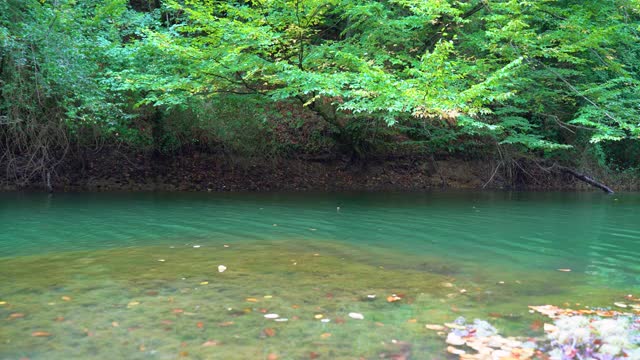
[
  {"x": 320, "y": 179},
  {"x": 530, "y": 88}
]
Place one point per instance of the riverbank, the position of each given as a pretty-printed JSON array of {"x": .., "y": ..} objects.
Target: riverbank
[{"x": 205, "y": 172}]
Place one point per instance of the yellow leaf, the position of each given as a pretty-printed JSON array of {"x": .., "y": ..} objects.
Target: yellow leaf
[
  {"x": 15, "y": 316},
  {"x": 393, "y": 298},
  {"x": 40, "y": 334},
  {"x": 454, "y": 326},
  {"x": 434, "y": 327}
]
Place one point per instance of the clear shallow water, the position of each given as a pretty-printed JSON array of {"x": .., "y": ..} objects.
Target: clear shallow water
[{"x": 85, "y": 268}]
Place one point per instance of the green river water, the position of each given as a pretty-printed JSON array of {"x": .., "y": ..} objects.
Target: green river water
[{"x": 135, "y": 276}]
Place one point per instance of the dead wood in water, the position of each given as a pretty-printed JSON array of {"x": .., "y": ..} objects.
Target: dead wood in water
[{"x": 589, "y": 180}]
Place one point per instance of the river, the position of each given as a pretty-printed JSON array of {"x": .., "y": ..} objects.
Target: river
[{"x": 192, "y": 275}]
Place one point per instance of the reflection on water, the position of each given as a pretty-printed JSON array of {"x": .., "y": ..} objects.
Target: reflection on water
[{"x": 136, "y": 275}]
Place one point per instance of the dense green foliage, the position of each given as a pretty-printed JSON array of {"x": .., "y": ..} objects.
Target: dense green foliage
[{"x": 535, "y": 79}]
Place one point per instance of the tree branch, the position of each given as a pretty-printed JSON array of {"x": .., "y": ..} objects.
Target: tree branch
[{"x": 589, "y": 180}]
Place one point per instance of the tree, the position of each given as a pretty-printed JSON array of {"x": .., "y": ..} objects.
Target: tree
[
  {"x": 538, "y": 79},
  {"x": 470, "y": 62}
]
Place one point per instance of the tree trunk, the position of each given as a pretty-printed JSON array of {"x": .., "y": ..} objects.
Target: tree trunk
[{"x": 587, "y": 179}]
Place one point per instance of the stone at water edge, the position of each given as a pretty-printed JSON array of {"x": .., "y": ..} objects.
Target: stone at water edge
[
  {"x": 455, "y": 351},
  {"x": 549, "y": 328},
  {"x": 453, "y": 339}
]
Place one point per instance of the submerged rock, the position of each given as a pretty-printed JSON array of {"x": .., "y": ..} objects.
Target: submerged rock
[{"x": 356, "y": 316}]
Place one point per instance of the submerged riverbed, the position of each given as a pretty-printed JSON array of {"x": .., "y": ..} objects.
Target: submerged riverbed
[{"x": 137, "y": 276}]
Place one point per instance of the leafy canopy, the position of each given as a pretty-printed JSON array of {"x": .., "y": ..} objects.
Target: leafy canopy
[{"x": 530, "y": 74}]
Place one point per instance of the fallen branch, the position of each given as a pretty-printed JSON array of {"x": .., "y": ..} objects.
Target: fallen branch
[{"x": 586, "y": 179}]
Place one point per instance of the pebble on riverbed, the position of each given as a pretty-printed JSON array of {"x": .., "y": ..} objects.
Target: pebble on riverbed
[{"x": 356, "y": 316}]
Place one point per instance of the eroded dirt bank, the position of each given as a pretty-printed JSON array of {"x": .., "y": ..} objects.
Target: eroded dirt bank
[{"x": 199, "y": 172}]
